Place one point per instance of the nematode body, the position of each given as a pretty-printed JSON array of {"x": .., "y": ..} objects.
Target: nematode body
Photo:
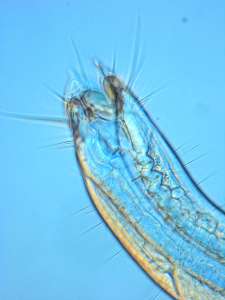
[{"x": 143, "y": 192}]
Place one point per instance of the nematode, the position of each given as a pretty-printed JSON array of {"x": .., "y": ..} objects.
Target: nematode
[{"x": 143, "y": 192}]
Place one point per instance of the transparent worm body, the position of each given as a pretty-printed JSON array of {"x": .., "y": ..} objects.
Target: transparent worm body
[{"x": 143, "y": 192}]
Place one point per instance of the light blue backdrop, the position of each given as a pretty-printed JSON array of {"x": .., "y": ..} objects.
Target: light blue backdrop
[{"x": 45, "y": 254}]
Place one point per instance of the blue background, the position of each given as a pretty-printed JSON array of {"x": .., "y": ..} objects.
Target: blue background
[{"x": 44, "y": 252}]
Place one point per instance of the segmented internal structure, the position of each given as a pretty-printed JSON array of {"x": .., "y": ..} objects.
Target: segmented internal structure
[{"x": 143, "y": 192}]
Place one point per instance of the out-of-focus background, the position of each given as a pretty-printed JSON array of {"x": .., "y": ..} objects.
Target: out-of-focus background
[{"x": 45, "y": 253}]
